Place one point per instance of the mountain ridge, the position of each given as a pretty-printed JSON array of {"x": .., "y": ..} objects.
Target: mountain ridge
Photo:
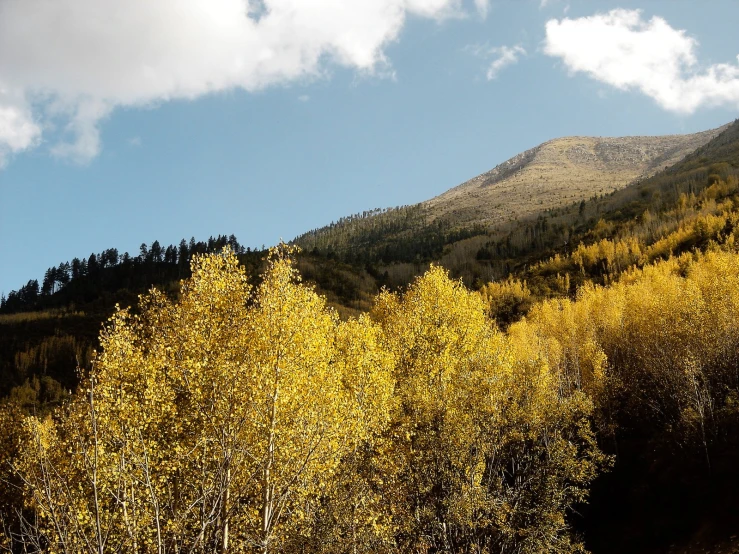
[
  {"x": 560, "y": 170},
  {"x": 539, "y": 182}
]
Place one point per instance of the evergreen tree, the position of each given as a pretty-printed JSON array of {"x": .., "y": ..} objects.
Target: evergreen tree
[
  {"x": 76, "y": 268},
  {"x": 93, "y": 269},
  {"x": 47, "y": 287},
  {"x": 62, "y": 274},
  {"x": 156, "y": 252}
]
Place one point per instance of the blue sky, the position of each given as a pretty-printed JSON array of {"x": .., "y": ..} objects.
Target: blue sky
[{"x": 158, "y": 123}]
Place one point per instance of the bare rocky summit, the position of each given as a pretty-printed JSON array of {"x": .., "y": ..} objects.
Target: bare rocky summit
[{"x": 560, "y": 172}]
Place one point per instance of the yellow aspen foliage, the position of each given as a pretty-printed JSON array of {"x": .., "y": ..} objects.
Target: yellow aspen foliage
[
  {"x": 353, "y": 513},
  {"x": 11, "y": 424},
  {"x": 492, "y": 455},
  {"x": 302, "y": 421},
  {"x": 207, "y": 424},
  {"x": 240, "y": 419},
  {"x": 657, "y": 346},
  {"x": 506, "y": 299}
]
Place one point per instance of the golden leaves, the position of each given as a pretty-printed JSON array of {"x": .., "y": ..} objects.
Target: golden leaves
[{"x": 253, "y": 418}]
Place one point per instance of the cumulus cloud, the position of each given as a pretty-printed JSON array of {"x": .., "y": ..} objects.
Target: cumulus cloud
[
  {"x": 622, "y": 49},
  {"x": 18, "y": 130},
  {"x": 70, "y": 63}
]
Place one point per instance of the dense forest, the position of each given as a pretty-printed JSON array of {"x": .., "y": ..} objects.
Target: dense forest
[
  {"x": 564, "y": 382},
  {"x": 48, "y": 330},
  {"x": 79, "y": 280}
]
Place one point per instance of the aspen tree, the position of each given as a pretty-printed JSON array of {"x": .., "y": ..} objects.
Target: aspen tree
[
  {"x": 492, "y": 455},
  {"x": 211, "y": 424}
]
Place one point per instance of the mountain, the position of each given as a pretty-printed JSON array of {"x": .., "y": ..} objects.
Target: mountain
[
  {"x": 673, "y": 480},
  {"x": 521, "y": 207},
  {"x": 559, "y": 172}
]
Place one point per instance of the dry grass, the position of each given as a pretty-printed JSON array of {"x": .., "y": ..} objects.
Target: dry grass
[
  {"x": 22, "y": 317},
  {"x": 560, "y": 172}
]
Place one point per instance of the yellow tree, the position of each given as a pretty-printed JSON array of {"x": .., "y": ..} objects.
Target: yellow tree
[
  {"x": 11, "y": 505},
  {"x": 491, "y": 455},
  {"x": 352, "y": 511},
  {"x": 303, "y": 413},
  {"x": 212, "y": 423}
]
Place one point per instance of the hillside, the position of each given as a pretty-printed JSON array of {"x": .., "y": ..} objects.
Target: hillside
[
  {"x": 548, "y": 177},
  {"x": 559, "y": 172}
]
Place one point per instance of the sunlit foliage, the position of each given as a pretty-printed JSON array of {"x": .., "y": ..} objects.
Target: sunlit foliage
[
  {"x": 241, "y": 419},
  {"x": 659, "y": 347}
]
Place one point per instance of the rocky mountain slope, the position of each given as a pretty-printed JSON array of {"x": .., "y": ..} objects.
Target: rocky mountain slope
[{"x": 560, "y": 172}]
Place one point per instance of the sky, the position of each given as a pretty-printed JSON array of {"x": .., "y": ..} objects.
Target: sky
[{"x": 128, "y": 122}]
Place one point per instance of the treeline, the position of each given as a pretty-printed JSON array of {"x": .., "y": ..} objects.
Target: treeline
[
  {"x": 401, "y": 234},
  {"x": 46, "y": 334},
  {"x": 98, "y": 270}
]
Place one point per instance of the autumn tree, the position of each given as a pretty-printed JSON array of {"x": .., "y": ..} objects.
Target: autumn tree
[
  {"x": 213, "y": 423},
  {"x": 491, "y": 454}
]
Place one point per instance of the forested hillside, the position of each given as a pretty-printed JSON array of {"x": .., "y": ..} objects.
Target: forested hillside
[
  {"x": 256, "y": 417},
  {"x": 550, "y": 177},
  {"x": 398, "y": 244},
  {"x": 558, "y": 382},
  {"x": 47, "y": 330}
]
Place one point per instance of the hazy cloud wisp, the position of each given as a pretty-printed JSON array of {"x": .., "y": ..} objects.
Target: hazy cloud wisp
[
  {"x": 69, "y": 63},
  {"x": 505, "y": 56},
  {"x": 624, "y": 50},
  {"x": 483, "y": 7},
  {"x": 497, "y": 57}
]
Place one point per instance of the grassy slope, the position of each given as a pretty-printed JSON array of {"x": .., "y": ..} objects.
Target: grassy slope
[{"x": 559, "y": 172}]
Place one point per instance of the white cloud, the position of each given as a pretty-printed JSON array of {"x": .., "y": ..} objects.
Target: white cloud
[
  {"x": 75, "y": 61},
  {"x": 303, "y": 98},
  {"x": 506, "y": 55},
  {"x": 135, "y": 141},
  {"x": 483, "y": 7},
  {"x": 502, "y": 56},
  {"x": 18, "y": 130},
  {"x": 624, "y": 50}
]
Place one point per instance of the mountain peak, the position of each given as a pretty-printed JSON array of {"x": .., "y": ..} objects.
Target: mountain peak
[{"x": 560, "y": 171}]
